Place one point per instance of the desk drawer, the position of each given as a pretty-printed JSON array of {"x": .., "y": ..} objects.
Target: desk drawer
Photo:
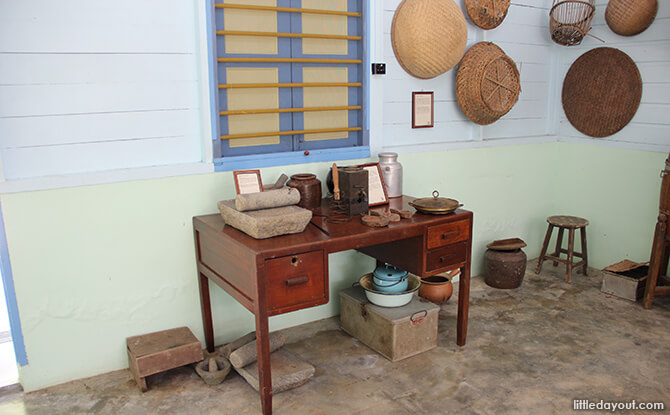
[
  {"x": 446, "y": 257},
  {"x": 296, "y": 281},
  {"x": 449, "y": 233}
]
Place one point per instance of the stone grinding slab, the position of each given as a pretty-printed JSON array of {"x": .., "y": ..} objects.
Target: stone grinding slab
[
  {"x": 265, "y": 223},
  {"x": 288, "y": 372}
]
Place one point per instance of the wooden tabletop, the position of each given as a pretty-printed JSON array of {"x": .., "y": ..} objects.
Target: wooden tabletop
[{"x": 321, "y": 233}]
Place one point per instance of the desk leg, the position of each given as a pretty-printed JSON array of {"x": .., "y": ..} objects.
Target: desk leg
[
  {"x": 206, "y": 306},
  {"x": 463, "y": 305},
  {"x": 264, "y": 371}
]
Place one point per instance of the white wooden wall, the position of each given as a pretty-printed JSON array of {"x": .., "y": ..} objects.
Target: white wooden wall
[
  {"x": 524, "y": 36},
  {"x": 88, "y": 86},
  {"x": 650, "y": 127}
]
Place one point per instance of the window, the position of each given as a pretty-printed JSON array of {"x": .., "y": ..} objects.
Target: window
[{"x": 289, "y": 82}]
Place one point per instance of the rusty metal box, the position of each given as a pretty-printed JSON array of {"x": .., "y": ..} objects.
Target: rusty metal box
[
  {"x": 623, "y": 286},
  {"x": 396, "y": 333}
]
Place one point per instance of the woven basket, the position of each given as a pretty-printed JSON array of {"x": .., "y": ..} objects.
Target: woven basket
[
  {"x": 487, "y": 84},
  {"x": 428, "y": 36},
  {"x": 601, "y": 92},
  {"x": 487, "y": 14},
  {"x": 630, "y": 17},
  {"x": 570, "y": 20}
]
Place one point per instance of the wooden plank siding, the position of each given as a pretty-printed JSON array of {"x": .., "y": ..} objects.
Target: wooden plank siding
[{"x": 88, "y": 87}]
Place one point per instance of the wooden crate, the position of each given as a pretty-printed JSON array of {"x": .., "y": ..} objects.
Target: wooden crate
[
  {"x": 396, "y": 333},
  {"x": 160, "y": 351}
]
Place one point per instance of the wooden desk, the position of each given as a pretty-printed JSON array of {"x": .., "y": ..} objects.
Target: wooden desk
[{"x": 287, "y": 273}]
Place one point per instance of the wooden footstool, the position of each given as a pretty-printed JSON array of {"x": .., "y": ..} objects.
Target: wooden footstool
[
  {"x": 562, "y": 223},
  {"x": 160, "y": 351}
]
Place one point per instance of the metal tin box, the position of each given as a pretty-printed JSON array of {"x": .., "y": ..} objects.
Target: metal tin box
[
  {"x": 397, "y": 332},
  {"x": 628, "y": 287}
]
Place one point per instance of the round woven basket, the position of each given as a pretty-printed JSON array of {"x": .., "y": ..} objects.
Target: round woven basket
[
  {"x": 487, "y": 14},
  {"x": 570, "y": 20},
  {"x": 428, "y": 36},
  {"x": 630, "y": 17},
  {"x": 487, "y": 84},
  {"x": 601, "y": 92}
]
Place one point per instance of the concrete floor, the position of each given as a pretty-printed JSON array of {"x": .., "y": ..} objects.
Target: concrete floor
[{"x": 530, "y": 350}]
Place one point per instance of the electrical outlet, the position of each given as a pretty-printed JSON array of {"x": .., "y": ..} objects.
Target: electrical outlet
[{"x": 379, "y": 69}]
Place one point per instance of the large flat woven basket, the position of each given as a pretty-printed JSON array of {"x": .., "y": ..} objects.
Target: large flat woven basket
[
  {"x": 488, "y": 83},
  {"x": 428, "y": 36}
]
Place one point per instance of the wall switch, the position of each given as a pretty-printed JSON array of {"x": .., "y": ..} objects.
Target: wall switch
[{"x": 379, "y": 69}]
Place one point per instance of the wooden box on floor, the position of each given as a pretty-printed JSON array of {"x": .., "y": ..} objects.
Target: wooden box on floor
[
  {"x": 397, "y": 332},
  {"x": 160, "y": 351}
]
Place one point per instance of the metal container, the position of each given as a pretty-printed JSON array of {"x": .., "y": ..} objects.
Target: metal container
[
  {"x": 631, "y": 287},
  {"x": 389, "y": 279},
  {"x": 396, "y": 333},
  {"x": 383, "y": 299},
  {"x": 504, "y": 269},
  {"x": 392, "y": 173}
]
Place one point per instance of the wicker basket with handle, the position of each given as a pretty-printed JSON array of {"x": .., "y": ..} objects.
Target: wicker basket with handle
[
  {"x": 487, "y": 84},
  {"x": 570, "y": 20}
]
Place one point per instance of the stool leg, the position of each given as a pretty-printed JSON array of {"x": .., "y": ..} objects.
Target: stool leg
[
  {"x": 547, "y": 237},
  {"x": 571, "y": 250},
  {"x": 559, "y": 245},
  {"x": 655, "y": 261},
  {"x": 582, "y": 234}
]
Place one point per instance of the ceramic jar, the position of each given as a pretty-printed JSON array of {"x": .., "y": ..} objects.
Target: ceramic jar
[
  {"x": 392, "y": 173},
  {"x": 309, "y": 188},
  {"x": 436, "y": 289},
  {"x": 504, "y": 269}
]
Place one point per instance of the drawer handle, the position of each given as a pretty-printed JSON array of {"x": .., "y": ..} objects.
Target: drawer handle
[
  {"x": 297, "y": 280},
  {"x": 451, "y": 234},
  {"x": 444, "y": 258}
]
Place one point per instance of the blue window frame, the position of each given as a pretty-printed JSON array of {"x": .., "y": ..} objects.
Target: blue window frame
[{"x": 290, "y": 148}]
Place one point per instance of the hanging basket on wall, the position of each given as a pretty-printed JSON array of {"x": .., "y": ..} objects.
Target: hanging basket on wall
[
  {"x": 428, "y": 36},
  {"x": 630, "y": 17},
  {"x": 570, "y": 20},
  {"x": 487, "y": 84},
  {"x": 601, "y": 92},
  {"x": 487, "y": 14}
]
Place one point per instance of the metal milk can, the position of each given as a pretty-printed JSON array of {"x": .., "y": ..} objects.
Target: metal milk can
[{"x": 392, "y": 172}]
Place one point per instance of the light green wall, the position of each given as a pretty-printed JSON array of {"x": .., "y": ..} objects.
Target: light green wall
[
  {"x": 617, "y": 190},
  {"x": 93, "y": 265}
]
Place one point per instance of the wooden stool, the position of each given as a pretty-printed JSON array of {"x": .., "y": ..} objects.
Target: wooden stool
[
  {"x": 570, "y": 223},
  {"x": 160, "y": 351},
  {"x": 657, "y": 282}
]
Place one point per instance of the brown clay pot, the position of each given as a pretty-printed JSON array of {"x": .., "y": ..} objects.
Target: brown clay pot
[
  {"x": 504, "y": 269},
  {"x": 437, "y": 289},
  {"x": 309, "y": 188}
]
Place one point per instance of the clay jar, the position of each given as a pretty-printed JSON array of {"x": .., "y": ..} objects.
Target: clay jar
[
  {"x": 436, "y": 289},
  {"x": 504, "y": 269},
  {"x": 309, "y": 188}
]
